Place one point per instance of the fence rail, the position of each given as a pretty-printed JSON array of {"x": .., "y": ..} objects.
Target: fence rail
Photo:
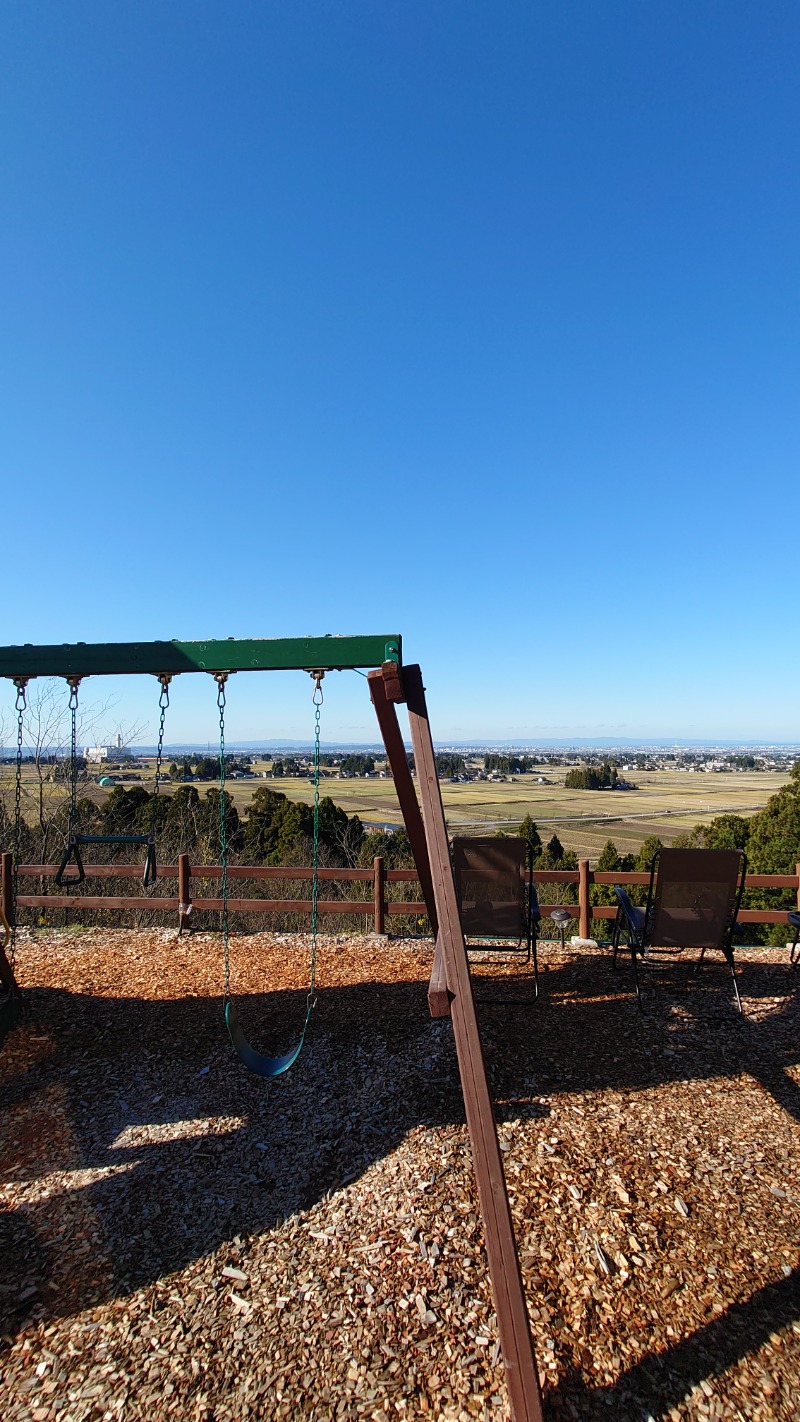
[{"x": 378, "y": 906}]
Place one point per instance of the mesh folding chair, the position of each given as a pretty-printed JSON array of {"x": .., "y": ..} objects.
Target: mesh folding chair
[
  {"x": 497, "y": 898},
  {"x": 692, "y": 902}
]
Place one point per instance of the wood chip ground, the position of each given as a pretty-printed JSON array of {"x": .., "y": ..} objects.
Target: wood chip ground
[{"x": 181, "y": 1239}]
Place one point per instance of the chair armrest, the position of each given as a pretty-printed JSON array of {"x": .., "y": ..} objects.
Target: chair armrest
[
  {"x": 634, "y": 916},
  {"x": 794, "y": 919}
]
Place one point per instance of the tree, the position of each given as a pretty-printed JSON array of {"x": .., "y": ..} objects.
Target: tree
[
  {"x": 773, "y": 847},
  {"x": 647, "y": 853},
  {"x": 206, "y": 768},
  {"x": 449, "y": 765},
  {"x": 341, "y": 834},
  {"x": 392, "y": 845},
  {"x": 209, "y": 830},
  {"x": 607, "y": 863},
  {"x": 182, "y": 822},
  {"x": 126, "y": 811},
  {"x": 727, "y": 832},
  {"x": 358, "y": 764},
  {"x": 609, "y": 857},
  {"x": 46, "y": 730},
  {"x": 555, "y": 850},
  {"x": 588, "y": 777},
  {"x": 261, "y": 832},
  {"x": 529, "y": 832}
]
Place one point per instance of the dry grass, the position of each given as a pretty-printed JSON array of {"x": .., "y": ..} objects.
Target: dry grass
[{"x": 183, "y": 1239}]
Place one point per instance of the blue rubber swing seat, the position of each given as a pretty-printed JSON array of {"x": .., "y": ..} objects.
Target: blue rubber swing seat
[{"x": 255, "y": 1061}]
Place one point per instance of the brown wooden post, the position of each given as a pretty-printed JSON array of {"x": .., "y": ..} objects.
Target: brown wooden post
[
  {"x": 403, "y": 783},
  {"x": 184, "y": 891},
  {"x": 439, "y": 998},
  {"x": 8, "y": 907},
  {"x": 7, "y": 889},
  {"x": 797, "y": 871},
  {"x": 512, "y": 1315},
  {"x": 379, "y": 893},
  {"x": 584, "y": 909}
]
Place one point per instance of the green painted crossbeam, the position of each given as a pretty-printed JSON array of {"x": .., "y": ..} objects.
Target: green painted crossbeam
[{"x": 262, "y": 654}]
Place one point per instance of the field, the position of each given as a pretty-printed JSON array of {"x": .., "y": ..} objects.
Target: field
[{"x": 665, "y": 803}]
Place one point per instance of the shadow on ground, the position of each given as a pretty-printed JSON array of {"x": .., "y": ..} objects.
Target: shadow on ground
[{"x": 187, "y": 1150}]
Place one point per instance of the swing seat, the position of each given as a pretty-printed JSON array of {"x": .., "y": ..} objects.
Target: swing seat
[
  {"x": 72, "y": 855},
  {"x": 255, "y": 1061}
]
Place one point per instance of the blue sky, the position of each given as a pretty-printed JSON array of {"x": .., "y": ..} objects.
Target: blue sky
[{"x": 472, "y": 321}]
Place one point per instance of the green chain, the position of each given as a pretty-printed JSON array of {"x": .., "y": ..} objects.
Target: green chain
[
  {"x": 318, "y": 700},
  {"x": 221, "y": 678},
  {"x": 74, "y": 683},
  {"x": 163, "y": 703},
  {"x": 19, "y": 707}
]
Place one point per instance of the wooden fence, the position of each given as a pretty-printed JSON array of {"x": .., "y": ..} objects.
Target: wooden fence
[{"x": 377, "y": 906}]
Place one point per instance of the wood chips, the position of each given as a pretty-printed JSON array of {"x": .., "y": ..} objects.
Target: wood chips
[{"x": 182, "y": 1239}]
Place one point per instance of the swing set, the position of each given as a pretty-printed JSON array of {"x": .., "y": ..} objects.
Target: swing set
[{"x": 450, "y": 990}]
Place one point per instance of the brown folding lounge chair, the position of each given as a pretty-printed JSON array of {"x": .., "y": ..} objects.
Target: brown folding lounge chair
[
  {"x": 497, "y": 897},
  {"x": 692, "y": 902}
]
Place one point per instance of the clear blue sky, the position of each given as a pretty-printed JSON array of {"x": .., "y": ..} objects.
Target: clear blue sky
[{"x": 473, "y": 321}]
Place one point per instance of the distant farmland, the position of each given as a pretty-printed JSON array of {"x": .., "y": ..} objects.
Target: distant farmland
[{"x": 665, "y": 803}]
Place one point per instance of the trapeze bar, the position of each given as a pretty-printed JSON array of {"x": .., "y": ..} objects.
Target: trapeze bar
[{"x": 264, "y": 654}]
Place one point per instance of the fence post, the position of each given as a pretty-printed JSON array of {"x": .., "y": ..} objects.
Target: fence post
[
  {"x": 379, "y": 890},
  {"x": 797, "y": 871},
  {"x": 584, "y": 911},
  {"x": 7, "y": 889},
  {"x": 184, "y": 891}
]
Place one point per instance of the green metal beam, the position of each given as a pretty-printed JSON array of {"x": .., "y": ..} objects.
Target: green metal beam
[{"x": 264, "y": 654}]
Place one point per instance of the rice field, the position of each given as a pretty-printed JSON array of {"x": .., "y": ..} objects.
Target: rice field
[{"x": 665, "y": 803}]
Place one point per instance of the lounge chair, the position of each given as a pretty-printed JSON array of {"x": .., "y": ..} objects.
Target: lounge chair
[
  {"x": 497, "y": 897},
  {"x": 692, "y": 902}
]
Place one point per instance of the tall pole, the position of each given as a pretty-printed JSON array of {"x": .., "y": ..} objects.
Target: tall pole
[{"x": 522, "y": 1376}]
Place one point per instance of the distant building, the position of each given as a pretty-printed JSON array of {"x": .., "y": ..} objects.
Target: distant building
[{"x": 118, "y": 751}]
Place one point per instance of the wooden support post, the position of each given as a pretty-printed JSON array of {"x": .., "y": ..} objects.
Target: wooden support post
[
  {"x": 7, "y": 920},
  {"x": 584, "y": 908},
  {"x": 184, "y": 892},
  {"x": 439, "y": 998},
  {"x": 7, "y": 888},
  {"x": 379, "y": 893},
  {"x": 797, "y": 871},
  {"x": 403, "y": 783},
  {"x": 512, "y": 1315}
]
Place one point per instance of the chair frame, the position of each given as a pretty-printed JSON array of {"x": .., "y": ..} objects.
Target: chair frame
[
  {"x": 794, "y": 954},
  {"x": 531, "y": 917},
  {"x": 640, "y": 923}
]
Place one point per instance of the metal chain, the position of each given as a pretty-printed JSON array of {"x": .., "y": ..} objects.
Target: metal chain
[
  {"x": 19, "y": 707},
  {"x": 317, "y": 698},
  {"x": 74, "y": 683},
  {"x": 163, "y": 703},
  {"x": 221, "y": 678}
]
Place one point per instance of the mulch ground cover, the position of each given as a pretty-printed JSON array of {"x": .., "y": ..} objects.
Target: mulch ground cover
[{"x": 179, "y": 1238}]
